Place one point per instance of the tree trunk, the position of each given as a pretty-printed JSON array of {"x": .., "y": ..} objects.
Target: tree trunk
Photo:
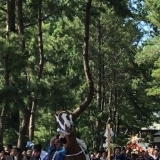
[
  {"x": 117, "y": 125},
  {"x": 10, "y": 26},
  {"x": 23, "y": 128},
  {"x": 40, "y": 41},
  {"x": 6, "y": 101},
  {"x": 11, "y": 15},
  {"x": 39, "y": 74},
  {"x": 32, "y": 120},
  {"x": 83, "y": 106},
  {"x": 23, "y": 109},
  {"x": 110, "y": 105},
  {"x": 103, "y": 86},
  {"x": 99, "y": 86}
]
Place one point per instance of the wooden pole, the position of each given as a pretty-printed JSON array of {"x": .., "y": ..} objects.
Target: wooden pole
[{"x": 108, "y": 142}]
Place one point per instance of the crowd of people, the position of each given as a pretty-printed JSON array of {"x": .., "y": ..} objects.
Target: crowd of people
[
  {"x": 56, "y": 151},
  {"x": 124, "y": 154}
]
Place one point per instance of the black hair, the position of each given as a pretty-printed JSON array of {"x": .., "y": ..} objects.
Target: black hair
[
  {"x": 37, "y": 147},
  {"x": 9, "y": 146},
  {"x": 117, "y": 148}
]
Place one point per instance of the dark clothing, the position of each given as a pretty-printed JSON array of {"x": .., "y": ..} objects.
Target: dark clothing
[
  {"x": 150, "y": 158},
  {"x": 35, "y": 158},
  {"x": 9, "y": 158},
  {"x": 119, "y": 157}
]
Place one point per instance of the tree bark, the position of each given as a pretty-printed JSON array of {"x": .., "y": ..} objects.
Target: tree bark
[
  {"x": 23, "y": 128},
  {"x": 103, "y": 86},
  {"x": 40, "y": 40},
  {"x": 10, "y": 26},
  {"x": 20, "y": 23},
  {"x": 23, "y": 109},
  {"x": 39, "y": 74},
  {"x": 32, "y": 119},
  {"x": 83, "y": 106},
  {"x": 11, "y": 15},
  {"x": 99, "y": 84},
  {"x": 6, "y": 101}
]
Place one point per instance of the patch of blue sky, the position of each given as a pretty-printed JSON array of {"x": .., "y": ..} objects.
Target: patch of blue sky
[{"x": 136, "y": 6}]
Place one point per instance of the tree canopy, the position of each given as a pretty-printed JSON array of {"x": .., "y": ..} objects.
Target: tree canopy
[{"x": 94, "y": 58}]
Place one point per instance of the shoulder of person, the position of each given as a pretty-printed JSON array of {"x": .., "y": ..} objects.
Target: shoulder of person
[
  {"x": 62, "y": 151},
  {"x": 150, "y": 158},
  {"x": 9, "y": 158}
]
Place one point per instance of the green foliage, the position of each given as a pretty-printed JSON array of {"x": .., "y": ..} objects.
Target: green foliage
[{"x": 128, "y": 84}]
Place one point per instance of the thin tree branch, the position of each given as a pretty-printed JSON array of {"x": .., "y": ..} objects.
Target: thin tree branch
[
  {"x": 40, "y": 41},
  {"x": 43, "y": 19},
  {"x": 87, "y": 70}
]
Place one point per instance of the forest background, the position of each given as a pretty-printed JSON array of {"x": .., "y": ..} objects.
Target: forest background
[{"x": 97, "y": 58}]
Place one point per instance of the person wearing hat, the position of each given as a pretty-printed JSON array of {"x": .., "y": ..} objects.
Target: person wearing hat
[{"x": 29, "y": 145}]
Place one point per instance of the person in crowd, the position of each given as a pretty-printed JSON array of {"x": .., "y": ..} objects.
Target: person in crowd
[
  {"x": 15, "y": 152},
  {"x": 2, "y": 155},
  {"x": 8, "y": 149},
  {"x": 118, "y": 155},
  {"x": 29, "y": 145},
  {"x": 25, "y": 156},
  {"x": 104, "y": 156},
  {"x": 150, "y": 151},
  {"x": 124, "y": 155},
  {"x": 36, "y": 152},
  {"x": 92, "y": 156},
  {"x": 52, "y": 149},
  {"x": 117, "y": 151},
  {"x": 60, "y": 151},
  {"x": 98, "y": 155},
  {"x": 29, "y": 154},
  {"x": 156, "y": 154}
]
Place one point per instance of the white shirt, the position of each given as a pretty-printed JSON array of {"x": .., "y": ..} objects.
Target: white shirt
[{"x": 43, "y": 154}]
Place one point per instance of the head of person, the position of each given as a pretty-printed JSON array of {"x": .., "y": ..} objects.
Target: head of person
[
  {"x": 58, "y": 143},
  {"x": 92, "y": 156},
  {"x": 146, "y": 154},
  {"x": 117, "y": 150},
  {"x": 52, "y": 141},
  {"x": 123, "y": 151},
  {"x": 8, "y": 148},
  {"x": 156, "y": 152},
  {"x": 104, "y": 155},
  {"x": 98, "y": 154},
  {"x": 37, "y": 148},
  {"x": 151, "y": 150},
  {"x": 15, "y": 151},
  {"x": 29, "y": 153}
]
